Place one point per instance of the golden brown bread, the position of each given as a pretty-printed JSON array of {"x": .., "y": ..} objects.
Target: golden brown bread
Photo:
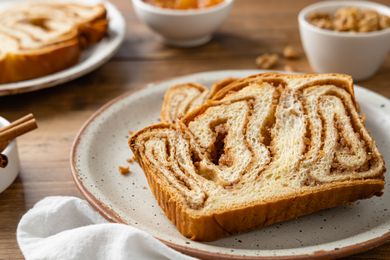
[
  {"x": 183, "y": 98},
  {"x": 264, "y": 149},
  {"x": 89, "y": 20},
  {"x": 40, "y": 38}
]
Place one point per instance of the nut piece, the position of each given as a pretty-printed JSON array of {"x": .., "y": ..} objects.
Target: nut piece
[
  {"x": 346, "y": 19},
  {"x": 320, "y": 19},
  {"x": 350, "y": 19},
  {"x": 369, "y": 21},
  {"x": 289, "y": 52},
  {"x": 267, "y": 61},
  {"x": 124, "y": 170}
]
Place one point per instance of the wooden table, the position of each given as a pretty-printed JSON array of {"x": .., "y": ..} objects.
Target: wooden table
[{"x": 254, "y": 27}]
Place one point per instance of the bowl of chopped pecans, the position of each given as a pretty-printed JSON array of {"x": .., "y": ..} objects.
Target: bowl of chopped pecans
[{"x": 351, "y": 37}]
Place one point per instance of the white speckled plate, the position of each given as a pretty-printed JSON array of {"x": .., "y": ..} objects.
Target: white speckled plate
[
  {"x": 102, "y": 146},
  {"x": 90, "y": 60}
]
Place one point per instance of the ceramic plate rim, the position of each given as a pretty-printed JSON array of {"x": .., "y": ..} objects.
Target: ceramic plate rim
[
  {"x": 82, "y": 67},
  {"x": 110, "y": 215}
]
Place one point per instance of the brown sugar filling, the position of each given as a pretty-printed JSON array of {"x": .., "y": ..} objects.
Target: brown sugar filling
[
  {"x": 218, "y": 155},
  {"x": 40, "y": 22}
]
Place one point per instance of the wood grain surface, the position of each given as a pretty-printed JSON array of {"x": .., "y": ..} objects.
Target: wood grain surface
[{"x": 254, "y": 27}]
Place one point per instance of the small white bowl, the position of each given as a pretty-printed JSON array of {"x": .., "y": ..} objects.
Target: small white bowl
[
  {"x": 183, "y": 28},
  {"x": 357, "y": 54},
  {"x": 9, "y": 173}
]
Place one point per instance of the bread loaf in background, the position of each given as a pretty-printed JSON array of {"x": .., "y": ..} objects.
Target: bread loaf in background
[{"x": 39, "y": 38}]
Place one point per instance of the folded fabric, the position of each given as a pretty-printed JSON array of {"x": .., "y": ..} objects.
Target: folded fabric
[{"x": 69, "y": 228}]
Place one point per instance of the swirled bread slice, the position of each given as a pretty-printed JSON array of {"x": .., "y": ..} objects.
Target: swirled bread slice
[
  {"x": 29, "y": 52},
  {"x": 39, "y": 38},
  {"x": 265, "y": 149},
  {"x": 90, "y": 20},
  {"x": 183, "y": 98}
]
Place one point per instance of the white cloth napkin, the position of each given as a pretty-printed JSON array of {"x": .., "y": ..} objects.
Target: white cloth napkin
[{"x": 69, "y": 228}]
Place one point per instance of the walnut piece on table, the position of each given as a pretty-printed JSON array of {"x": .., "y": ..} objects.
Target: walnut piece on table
[
  {"x": 290, "y": 52},
  {"x": 267, "y": 61}
]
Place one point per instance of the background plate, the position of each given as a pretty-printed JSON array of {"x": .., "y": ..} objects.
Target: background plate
[
  {"x": 101, "y": 147},
  {"x": 90, "y": 59}
]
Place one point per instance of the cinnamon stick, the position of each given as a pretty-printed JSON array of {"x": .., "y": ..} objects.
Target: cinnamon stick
[
  {"x": 15, "y": 129},
  {"x": 17, "y": 122},
  {"x": 18, "y": 130}
]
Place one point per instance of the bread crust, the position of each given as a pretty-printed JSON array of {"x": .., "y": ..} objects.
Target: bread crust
[
  {"x": 93, "y": 31},
  {"x": 167, "y": 108},
  {"x": 36, "y": 63},
  {"x": 344, "y": 80},
  {"x": 209, "y": 226},
  {"x": 257, "y": 215},
  {"x": 169, "y": 112}
]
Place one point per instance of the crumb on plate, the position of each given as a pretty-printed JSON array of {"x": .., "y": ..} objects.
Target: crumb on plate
[
  {"x": 124, "y": 170},
  {"x": 131, "y": 159}
]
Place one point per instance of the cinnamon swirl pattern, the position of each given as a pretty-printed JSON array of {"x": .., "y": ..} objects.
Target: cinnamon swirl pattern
[
  {"x": 263, "y": 149},
  {"x": 183, "y": 98},
  {"x": 40, "y": 38}
]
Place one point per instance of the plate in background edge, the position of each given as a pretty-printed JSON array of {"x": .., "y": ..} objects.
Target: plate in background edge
[{"x": 90, "y": 59}]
